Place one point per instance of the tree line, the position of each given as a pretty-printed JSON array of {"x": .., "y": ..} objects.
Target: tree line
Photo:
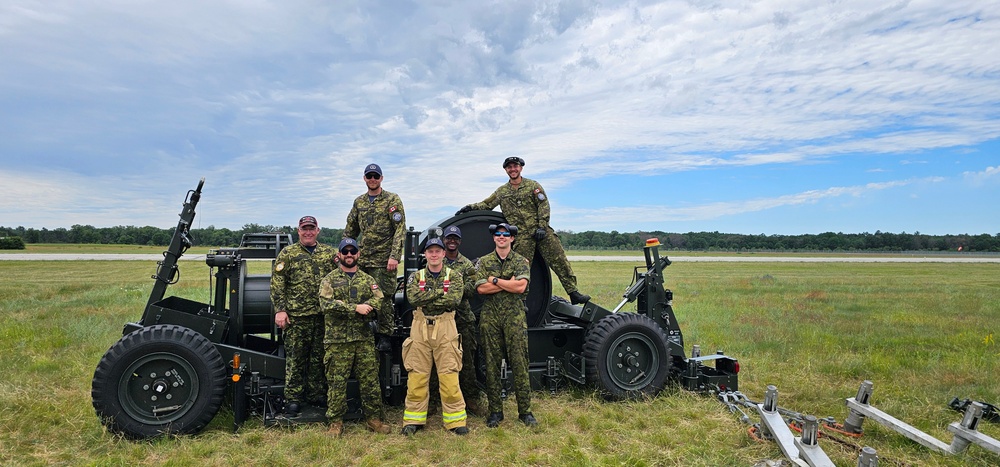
[{"x": 589, "y": 240}]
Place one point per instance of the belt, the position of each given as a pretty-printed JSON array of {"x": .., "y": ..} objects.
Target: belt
[{"x": 428, "y": 322}]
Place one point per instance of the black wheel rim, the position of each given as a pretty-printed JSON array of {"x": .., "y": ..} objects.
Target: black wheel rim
[
  {"x": 632, "y": 361},
  {"x": 158, "y": 388}
]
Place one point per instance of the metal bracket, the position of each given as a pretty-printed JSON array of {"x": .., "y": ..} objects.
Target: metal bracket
[
  {"x": 965, "y": 432},
  {"x": 804, "y": 451}
]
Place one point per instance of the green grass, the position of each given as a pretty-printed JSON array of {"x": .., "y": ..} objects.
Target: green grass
[{"x": 920, "y": 332}]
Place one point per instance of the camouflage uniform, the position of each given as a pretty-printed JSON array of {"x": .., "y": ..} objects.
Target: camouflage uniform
[
  {"x": 434, "y": 342},
  {"x": 503, "y": 324},
  {"x": 527, "y": 207},
  {"x": 467, "y": 327},
  {"x": 349, "y": 341},
  {"x": 295, "y": 280},
  {"x": 379, "y": 226}
]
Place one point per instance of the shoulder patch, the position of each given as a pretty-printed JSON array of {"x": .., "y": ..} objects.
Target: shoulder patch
[
  {"x": 392, "y": 208},
  {"x": 537, "y": 190},
  {"x": 374, "y": 286},
  {"x": 541, "y": 197},
  {"x": 396, "y": 217},
  {"x": 280, "y": 266}
]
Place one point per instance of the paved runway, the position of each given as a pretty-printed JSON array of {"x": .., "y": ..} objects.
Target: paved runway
[{"x": 636, "y": 258}]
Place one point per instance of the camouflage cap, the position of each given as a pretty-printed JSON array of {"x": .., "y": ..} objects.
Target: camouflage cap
[{"x": 308, "y": 220}]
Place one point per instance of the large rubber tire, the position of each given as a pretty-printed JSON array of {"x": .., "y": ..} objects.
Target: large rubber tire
[
  {"x": 159, "y": 379},
  {"x": 626, "y": 356}
]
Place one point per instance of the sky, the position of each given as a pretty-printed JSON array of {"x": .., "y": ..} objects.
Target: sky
[{"x": 755, "y": 117}]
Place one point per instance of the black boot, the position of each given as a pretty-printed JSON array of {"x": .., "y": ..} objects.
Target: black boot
[
  {"x": 292, "y": 408},
  {"x": 528, "y": 419},
  {"x": 494, "y": 419},
  {"x": 575, "y": 297}
]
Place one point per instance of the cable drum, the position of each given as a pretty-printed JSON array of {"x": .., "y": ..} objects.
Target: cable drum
[{"x": 477, "y": 241}]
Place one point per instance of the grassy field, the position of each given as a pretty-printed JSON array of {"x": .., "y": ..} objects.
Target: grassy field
[{"x": 922, "y": 333}]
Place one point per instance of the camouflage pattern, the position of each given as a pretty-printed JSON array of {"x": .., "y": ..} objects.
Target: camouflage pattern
[
  {"x": 296, "y": 275},
  {"x": 465, "y": 319},
  {"x": 552, "y": 251},
  {"x": 379, "y": 226},
  {"x": 341, "y": 359},
  {"x": 387, "y": 281},
  {"x": 305, "y": 372},
  {"x": 527, "y": 207},
  {"x": 349, "y": 341},
  {"x": 503, "y": 325},
  {"x": 295, "y": 279},
  {"x": 339, "y": 295},
  {"x": 433, "y": 297}
]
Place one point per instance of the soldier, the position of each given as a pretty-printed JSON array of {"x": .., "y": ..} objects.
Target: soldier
[
  {"x": 295, "y": 279},
  {"x": 503, "y": 280},
  {"x": 434, "y": 341},
  {"x": 465, "y": 319},
  {"x": 377, "y": 221},
  {"x": 525, "y": 205},
  {"x": 348, "y": 298}
]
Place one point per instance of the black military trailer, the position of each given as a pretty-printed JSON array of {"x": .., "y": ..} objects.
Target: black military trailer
[{"x": 173, "y": 369}]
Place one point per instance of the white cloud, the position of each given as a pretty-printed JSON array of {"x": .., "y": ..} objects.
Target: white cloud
[
  {"x": 265, "y": 97},
  {"x": 608, "y": 217},
  {"x": 989, "y": 175}
]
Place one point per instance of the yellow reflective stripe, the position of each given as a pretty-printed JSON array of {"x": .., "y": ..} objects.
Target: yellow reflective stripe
[
  {"x": 415, "y": 416},
  {"x": 453, "y": 417}
]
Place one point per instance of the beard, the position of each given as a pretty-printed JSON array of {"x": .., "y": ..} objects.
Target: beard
[{"x": 349, "y": 261}]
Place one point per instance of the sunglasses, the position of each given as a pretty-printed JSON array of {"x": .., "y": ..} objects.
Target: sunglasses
[
  {"x": 349, "y": 251},
  {"x": 501, "y": 234},
  {"x": 373, "y": 176}
]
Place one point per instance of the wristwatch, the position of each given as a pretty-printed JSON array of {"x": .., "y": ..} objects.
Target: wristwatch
[{"x": 495, "y": 279}]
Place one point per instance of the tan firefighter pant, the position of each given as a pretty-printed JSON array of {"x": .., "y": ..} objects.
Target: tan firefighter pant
[{"x": 433, "y": 341}]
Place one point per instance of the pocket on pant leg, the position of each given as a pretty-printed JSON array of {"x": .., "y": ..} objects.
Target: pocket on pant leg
[
  {"x": 407, "y": 354},
  {"x": 450, "y": 360}
]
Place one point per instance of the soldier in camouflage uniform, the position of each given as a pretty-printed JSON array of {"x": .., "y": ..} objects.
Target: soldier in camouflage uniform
[
  {"x": 348, "y": 298},
  {"x": 525, "y": 205},
  {"x": 503, "y": 277},
  {"x": 435, "y": 291},
  {"x": 378, "y": 223},
  {"x": 465, "y": 319},
  {"x": 295, "y": 279}
]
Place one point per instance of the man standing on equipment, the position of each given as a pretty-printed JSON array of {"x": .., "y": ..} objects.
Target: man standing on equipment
[
  {"x": 347, "y": 298},
  {"x": 295, "y": 279},
  {"x": 503, "y": 280},
  {"x": 435, "y": 291},
  {"x": 465, "y": 318},
  {"x": 524, "y": 204},
  {"x": 377, "y": 221}
]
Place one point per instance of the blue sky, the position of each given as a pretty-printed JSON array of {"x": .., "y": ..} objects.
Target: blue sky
[{"x": 774, "y": 117}]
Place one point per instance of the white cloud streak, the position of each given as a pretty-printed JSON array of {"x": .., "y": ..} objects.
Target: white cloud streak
[{"x": 279, "y": 104}]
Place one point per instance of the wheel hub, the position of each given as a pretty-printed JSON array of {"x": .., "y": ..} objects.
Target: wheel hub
[{"x": 632, "y": 361}]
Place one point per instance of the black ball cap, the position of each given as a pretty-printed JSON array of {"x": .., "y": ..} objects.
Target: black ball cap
[{"x": 513, "y": 160}]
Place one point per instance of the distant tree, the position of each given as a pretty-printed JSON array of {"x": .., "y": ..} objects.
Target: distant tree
[{"x": 11, "y": 243}]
